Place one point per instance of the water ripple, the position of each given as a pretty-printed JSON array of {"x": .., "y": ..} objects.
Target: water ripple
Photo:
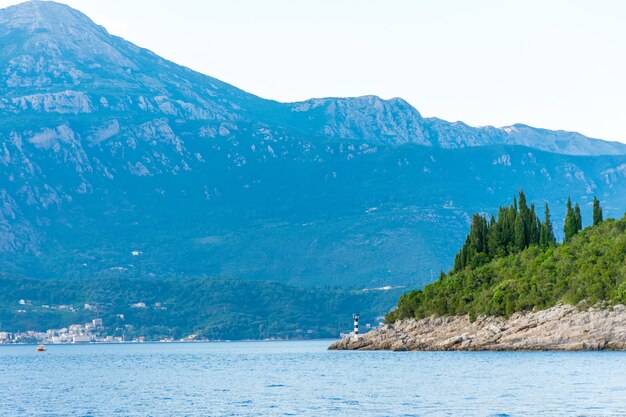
[{"x": 303, "y": 379}]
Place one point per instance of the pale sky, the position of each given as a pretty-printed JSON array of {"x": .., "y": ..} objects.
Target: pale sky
[{"x": 558, "y": 64}]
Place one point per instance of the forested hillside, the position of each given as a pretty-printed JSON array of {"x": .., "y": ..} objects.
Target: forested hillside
[
  {"x": 209, "y": 308},
  {"x": 513, "y": 263}
]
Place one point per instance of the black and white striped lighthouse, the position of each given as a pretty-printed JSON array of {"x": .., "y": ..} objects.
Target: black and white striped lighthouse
[{"x": 355, "y": 334}]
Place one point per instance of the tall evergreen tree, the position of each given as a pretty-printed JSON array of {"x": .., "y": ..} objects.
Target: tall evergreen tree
[
  {"x": 597, "y": 211},
  {"x": 520, "y": 234},
  {"x": 478, "y": 234},
  {"x": 493, "y": 237},
  {"x": 474, "y": 250},
  {"x": 524, "y": 213},
  {"x": 546, "y": 233},
  {"x": 509, "y": 226},
  {"x": 569, "y": 227},
  {"x": 578, "y": 219},
  {"x": 533, "y": 227}
]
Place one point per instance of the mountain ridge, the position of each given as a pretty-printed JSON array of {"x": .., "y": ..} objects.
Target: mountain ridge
[
  {"x": 200, "y": 177},
  {"x": 59, "y": 30}
]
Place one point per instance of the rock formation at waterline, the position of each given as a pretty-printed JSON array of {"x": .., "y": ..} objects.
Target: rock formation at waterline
[{"x": 562, "y": 327}]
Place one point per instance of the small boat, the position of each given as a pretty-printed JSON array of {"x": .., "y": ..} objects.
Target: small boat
[{"x": 40, "y": 348}]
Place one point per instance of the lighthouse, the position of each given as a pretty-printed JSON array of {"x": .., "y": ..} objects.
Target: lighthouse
[{"x": 355, "y": 334}]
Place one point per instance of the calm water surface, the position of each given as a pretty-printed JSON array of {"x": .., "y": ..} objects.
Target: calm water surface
[{"x": 303, "y": 379}]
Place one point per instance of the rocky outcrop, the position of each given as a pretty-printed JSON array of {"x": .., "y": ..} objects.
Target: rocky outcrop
[{"x": 558, "y": 328}]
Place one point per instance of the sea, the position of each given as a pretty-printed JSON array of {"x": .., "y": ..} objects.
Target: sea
[{"x": 302, "y": 378}]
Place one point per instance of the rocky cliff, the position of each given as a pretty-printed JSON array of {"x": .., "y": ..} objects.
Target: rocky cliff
[{"x": 558, "y": 328}]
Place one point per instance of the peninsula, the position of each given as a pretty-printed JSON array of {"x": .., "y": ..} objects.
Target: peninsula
[{"x": 514, "y": 287}]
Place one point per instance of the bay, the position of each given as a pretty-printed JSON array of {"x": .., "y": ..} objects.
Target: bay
[{"x": 304, "y": 379}]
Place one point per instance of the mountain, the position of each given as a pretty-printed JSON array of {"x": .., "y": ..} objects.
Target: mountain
[
  {"x": 115, "y": 163},
  {"x": 395, "y": 122}
]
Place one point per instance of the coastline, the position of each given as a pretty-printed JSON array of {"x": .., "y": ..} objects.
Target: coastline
[
  {"x": 559, "y": 328},
  {"x": 159, "y": 342}
]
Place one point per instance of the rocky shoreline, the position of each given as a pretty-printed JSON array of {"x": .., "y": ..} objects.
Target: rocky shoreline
[{"x": 562, "y": 327}]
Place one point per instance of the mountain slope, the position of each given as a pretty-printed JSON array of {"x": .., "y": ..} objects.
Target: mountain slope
[
  {"x": 114, "y": 161},
  {"x": 51, "y": 49}
]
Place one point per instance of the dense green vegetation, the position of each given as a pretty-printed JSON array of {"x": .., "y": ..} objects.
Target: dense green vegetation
[
  {"x": 588, "y": 268},
  {"x": 573, "y": 221},
  {"x": 517, "y": 227},
  {"x": 210, "y": 308}
]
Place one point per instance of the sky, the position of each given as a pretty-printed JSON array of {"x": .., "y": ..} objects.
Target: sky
[{"x": 558, "y": 64}]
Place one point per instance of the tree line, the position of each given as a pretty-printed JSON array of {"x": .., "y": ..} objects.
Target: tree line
[
  {"x": 516, "y": 228},
  {"x": 514, "y": 263}
]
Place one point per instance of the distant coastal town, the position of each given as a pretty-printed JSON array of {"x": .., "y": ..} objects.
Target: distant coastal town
[
  {"x": 75, "y": 333},
  {"x": 93, "y": 331}
]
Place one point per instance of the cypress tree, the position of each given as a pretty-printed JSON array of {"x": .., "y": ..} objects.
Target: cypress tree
[
  {"x": 493, "y": 231},
  {"x": 524, "y": 213},
  {"x": 459, "y": 259},
  {"x": 520, "y": 234},
  {"x": 597, "y": 211},
  {"x": 509, "y": 227},
  {"x": 475, "y": 244},
  {"x": 533, "y": 233},
  {"x": 578, "y": 219},
  {"x": 569, "y": 226},
  {"x": 478, "y": 234},
  {"x": 546, "y": 235},
  {"x": 542, "y": 236}
]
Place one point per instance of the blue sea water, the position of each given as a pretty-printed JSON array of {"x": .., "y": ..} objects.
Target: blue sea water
[{"x": 304, "y": 379}]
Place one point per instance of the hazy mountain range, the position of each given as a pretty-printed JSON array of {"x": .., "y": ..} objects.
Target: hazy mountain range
[{"x": 114, "y": 161}]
